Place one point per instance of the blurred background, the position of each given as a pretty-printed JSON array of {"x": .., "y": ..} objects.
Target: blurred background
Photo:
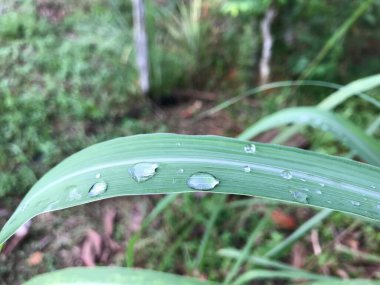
[{"x": 69, "y": 78}]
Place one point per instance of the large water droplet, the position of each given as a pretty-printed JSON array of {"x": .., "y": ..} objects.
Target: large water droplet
[
  {"x": 247, "y": 169},
  {"x": 143, "y": 171},
  {"x": 355, "y": 203},
  {"x": 202, "y": 181},
  {"x": 250, "y": 148},
  {"x": 74, "y": 193},
  {"x": 286, "y": 174},
  {"x": 300, "y": 197},
  {"x": 97, "y": 189}
]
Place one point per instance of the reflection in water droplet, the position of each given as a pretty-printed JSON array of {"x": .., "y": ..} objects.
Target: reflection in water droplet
[
  {"x": 181, "y": 170},
  {"x": 143, "y": 171},
  {"x": 73, "y": 193},
  {"x": 319, "y": 192},
  {"x": 300, "y": 197},
  {"x": 97, "y": 189},
  {"x": 247, "y": 169},
  {"x": 202, "y": 181},
  {"x": 97, "y": 176},
  {"x": 286, "y": 174},
  {"x": 250, "y": 148},
  {"x": 355, "y": 203}
]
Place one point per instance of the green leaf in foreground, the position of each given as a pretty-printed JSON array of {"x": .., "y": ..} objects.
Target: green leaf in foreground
[
  {"x": 364, "y": 145},
  {"x": 164, "y": 163},
  {"x": 112, "y": 276}
]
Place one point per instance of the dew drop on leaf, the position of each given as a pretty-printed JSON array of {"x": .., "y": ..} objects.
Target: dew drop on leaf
[
  {"x": 180, "y": 171},
  {"x": 73, "y": 193},
  {"x": 97, "y": 176},
  {"x": 250, "y": 148},
  {"x": 300, "y": 197},
  {"x": 247, "y": 169},
  {"x": 319, "y": 192},
  {"x": 286, "y": 174},
  {"x": 355, "y": 203},
  {"x": 143, "y": 171},
  {"x": 202, "y": 181},
  {"x": 97, "y": 189}
]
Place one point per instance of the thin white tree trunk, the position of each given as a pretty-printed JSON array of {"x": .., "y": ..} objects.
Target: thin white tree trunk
[
  {"x": 267, "y": 45},
  {"x": 141, "y": 44}
]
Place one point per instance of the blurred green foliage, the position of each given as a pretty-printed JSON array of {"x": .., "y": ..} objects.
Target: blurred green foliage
[{"x": 68, "y": 78}]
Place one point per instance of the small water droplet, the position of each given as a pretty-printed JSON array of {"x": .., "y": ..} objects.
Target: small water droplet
[
  {"x": 97, "y": 189},
  {"x": 373, "y": 186},
  {"x": 178, "y": 144},
  {"x": 303, "y": 180},
  {"x": 304, "y": 189},
  {"x": 319, "y": 192},
  {"x": 202, "y": 181},
  {"x": 247, "y": 169},
  {"x": 181, "y": 170},
  {"x": 74, "y": 193},
  {"x": 355, "y": 203},
  {"x": 300, "y": 197},
  {"x": 329, "y": 202},
  {"x": 143, "y": 171},
  {"x": 250, "y": 148},
  {"x": 322, "y": 184},
  {"x": 51, "y": 206},
  {"x": 98, "y": 175},
  {"x": 286, "y": 174}
]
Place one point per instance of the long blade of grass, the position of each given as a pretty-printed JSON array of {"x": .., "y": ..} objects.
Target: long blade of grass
[
  {"x": 336, "y": 98},
  {"x": 366, "y": 147},
  {"x": 336, "y": 37},
  {"x": 347, "y": 282},
  {"x": 175, "y": 161},
  {"x": 264, "y": 262},
  {"x": 247, "y": 248},
  {"x": 260, "y": 274},
  {"x": 161, "y": 206},
  {"x": 359, "y": 85},
  {"x": 112, "y": 276},
  {"x": 300, "y": 232}
]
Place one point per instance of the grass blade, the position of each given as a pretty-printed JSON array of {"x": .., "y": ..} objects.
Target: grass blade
[
  {"x": 247, "y": 248},
  {"x": 366, "y": 147},
  {"x": 112, "y": 276},
  {"x": 276, "y": 172}
]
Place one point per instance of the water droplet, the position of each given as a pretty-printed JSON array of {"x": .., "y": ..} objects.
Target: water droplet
[
  {"x": 303, "y": 180},
  {"x": 378, "y": 206},
  {"x": 181, "y": 170},
  {"x": 329, "y": 202},
  {"x": 97, "y": 176},
  {"x": 373, "y": 186},
  {"x": 51, "y": 206},
  {"x": 300, "y": 197},
  {"x": 74, "y": 193},
  {"x": 319, "y": 192},
  {"x": 304, "y": 189},
  {"x": 143, "y": 171},
  {"x": 322, "y": 184},
  {"x": 178, "y": 144},
  {"x": 174, "y": 181},
  {"x": 286, "y": 174},
  {"x": 250, "y": 148},
  {"x": 247, "y": 169},
  {"x": 202, "y": 181},
  {"x": 355, "y": 203},
  {"x": 97, "y": 189}
]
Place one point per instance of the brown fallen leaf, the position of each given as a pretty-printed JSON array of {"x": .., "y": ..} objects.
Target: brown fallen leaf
[
  {"x": 35, "y": 258},
  {"x": 283, "y": 220},
  {"x": 91, "y": 248}
]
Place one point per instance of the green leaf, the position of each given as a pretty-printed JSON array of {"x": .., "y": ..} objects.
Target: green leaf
[
  {"x": 112, "y": 276},
  {"x": 220, "y": 165},
  {"x": 366, "y": 147}
]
